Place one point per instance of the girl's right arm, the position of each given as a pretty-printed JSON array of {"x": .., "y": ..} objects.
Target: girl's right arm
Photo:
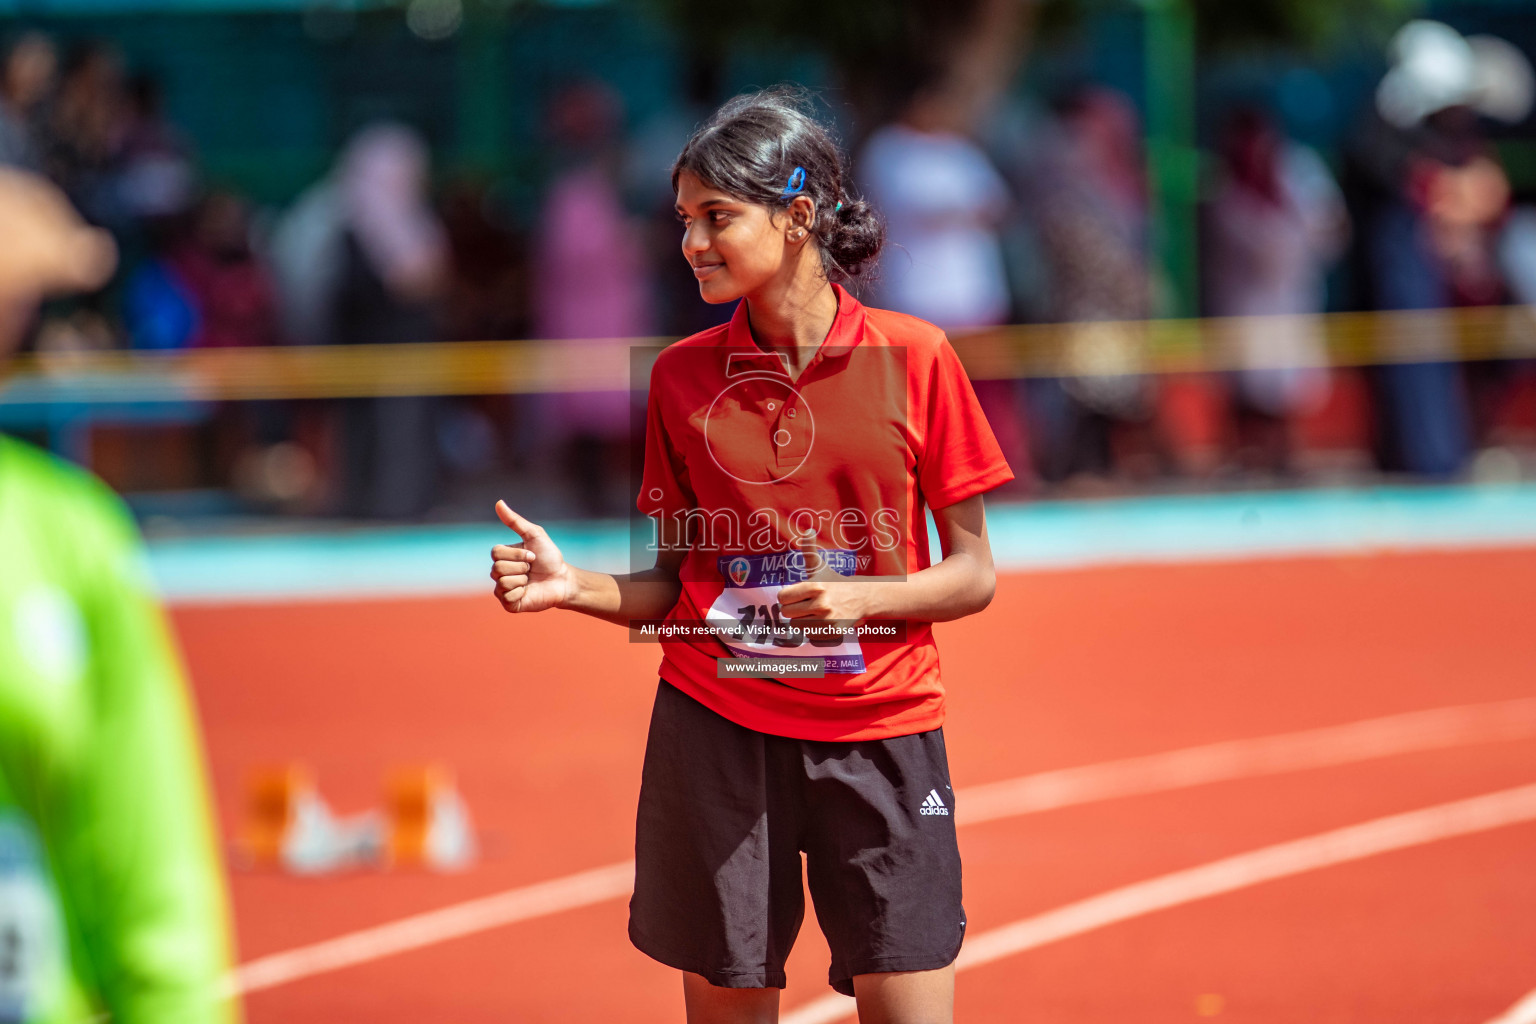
[{"x": 534, "y": 576}]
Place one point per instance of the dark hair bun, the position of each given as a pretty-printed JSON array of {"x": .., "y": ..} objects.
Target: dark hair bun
[
  {"x": 853, "y": 239},
  {"x": 768, "y": 148}
]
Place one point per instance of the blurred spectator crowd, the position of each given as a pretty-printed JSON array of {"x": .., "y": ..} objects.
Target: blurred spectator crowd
[{"x": 1014, "y": 212}]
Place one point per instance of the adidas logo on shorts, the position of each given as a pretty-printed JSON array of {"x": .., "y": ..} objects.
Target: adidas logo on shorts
[{"x": 932, "y": 804}]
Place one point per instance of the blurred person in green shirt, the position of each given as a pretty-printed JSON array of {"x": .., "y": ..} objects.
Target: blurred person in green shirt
[{"x": 112, "y": 902}]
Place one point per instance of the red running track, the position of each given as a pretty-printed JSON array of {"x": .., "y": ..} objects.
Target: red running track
[{"x": 544, "y": 720}]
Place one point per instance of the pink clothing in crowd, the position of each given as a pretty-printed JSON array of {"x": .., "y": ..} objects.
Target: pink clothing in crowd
[{"x": 590, "y": 286}]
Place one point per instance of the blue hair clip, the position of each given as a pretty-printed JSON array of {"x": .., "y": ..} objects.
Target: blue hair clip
[{"x": 796, "y": 183}]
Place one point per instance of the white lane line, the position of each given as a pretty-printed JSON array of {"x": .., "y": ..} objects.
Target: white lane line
[
  {"x": 467, "y": 918},
  {"x": 1340, "y": 846},
  {"x": 1239, "y": 759},
  {"x": 1177, "y": 769},
  {"x": 1523, "y": 1012}
]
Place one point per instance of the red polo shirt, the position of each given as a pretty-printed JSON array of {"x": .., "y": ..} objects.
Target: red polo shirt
[{"x": 740, "y": 457}]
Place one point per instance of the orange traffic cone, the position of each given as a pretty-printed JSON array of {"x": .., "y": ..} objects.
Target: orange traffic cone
[
  {"x": 429, "y": 821},
  {"x": 272, "y": 797},
  {"x": 290, "y": 826}
]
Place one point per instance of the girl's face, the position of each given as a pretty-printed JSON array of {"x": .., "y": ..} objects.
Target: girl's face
[{"x": 735, "y": 248}]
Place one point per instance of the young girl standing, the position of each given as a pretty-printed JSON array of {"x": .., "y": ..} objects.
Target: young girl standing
[{"x": 789, "y": 458}]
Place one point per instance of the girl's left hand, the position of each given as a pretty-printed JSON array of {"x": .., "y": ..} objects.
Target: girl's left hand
[{"x": 826, "y": 594}]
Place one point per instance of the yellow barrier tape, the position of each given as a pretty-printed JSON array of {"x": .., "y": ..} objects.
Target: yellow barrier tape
[{"x": 526, "y": 367}]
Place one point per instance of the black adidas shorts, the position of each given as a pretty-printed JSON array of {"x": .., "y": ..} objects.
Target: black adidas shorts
[{"x": 724, "y": 815}]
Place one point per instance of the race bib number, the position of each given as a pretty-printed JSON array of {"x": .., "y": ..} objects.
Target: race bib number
[
  {"x": 749, "y": 620},
  {"x": 31, "y": 935}
]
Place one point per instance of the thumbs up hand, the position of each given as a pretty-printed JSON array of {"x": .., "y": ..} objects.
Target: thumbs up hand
[
  {"x": 826, "y": 593},
  {"x": 532, "y": 576}
]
